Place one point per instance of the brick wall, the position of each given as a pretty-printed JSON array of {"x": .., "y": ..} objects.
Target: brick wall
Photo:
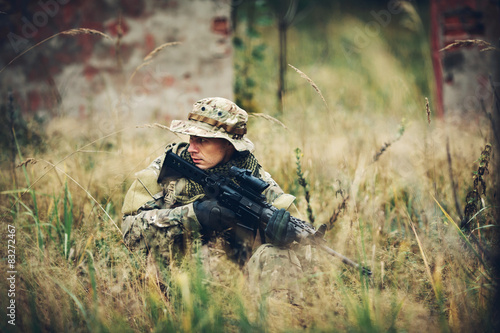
[{"x": 87, "y": 74}]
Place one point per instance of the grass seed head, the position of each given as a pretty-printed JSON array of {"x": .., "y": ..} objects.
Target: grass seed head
[
  {"x": 466, "y": 43},
  {"x": 428, "y": 110}
]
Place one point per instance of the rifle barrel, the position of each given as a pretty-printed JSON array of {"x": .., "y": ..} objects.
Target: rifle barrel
[{"x": 344, "y": 259}]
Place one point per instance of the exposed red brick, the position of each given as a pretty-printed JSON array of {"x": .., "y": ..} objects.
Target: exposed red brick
[
  {"x": 149, "y": 42},
  {"x": 89, "y": 72},
  {"x": 34, "y": 100},
  {"x": 168, "y": 81},
  {"x": 69, "y": 12},
  {"x": 35, "y": 73},
  {"x": 220, "y": 25}
]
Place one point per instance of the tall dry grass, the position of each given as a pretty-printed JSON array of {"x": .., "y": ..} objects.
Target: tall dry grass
[{"x": 76, "y": 274}]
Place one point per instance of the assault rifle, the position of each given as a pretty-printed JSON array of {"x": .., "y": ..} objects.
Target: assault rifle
[{"x": 246, "y": 201}]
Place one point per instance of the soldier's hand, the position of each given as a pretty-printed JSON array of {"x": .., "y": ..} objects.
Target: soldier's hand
[
  {"x": 279, "y": 229},
  {"x": 212, "y": 216}
]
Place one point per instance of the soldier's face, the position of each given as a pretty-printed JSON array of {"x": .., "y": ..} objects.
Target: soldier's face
[{"x": 209, "y": 152}]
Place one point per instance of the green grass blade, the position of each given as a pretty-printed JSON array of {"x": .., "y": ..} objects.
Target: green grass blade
[
  {"x": 77, "y": 302},
  {"x": 461, "y": 233}
]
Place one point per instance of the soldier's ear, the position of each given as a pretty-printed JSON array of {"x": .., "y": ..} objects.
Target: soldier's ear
[{"x": 230, "y": 148}]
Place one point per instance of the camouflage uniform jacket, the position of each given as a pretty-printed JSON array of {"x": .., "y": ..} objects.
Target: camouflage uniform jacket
[{"x": 154, "y": 220}]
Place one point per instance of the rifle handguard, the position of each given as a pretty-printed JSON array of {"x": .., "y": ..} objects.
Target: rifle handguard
[{"x": 279, "y": 229}]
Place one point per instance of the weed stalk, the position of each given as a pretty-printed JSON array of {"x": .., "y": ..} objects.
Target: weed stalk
[
  {"x": 304, "y": 184},
  {"x": 473, "y": 198},
  {"x": 336, "y": 212},
  {"x": 31, "y": 212},
  {"x": 389, "y": 143}
]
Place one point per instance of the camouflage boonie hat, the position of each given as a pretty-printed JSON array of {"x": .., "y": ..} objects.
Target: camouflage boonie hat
[{"x": 216, "y": 117}]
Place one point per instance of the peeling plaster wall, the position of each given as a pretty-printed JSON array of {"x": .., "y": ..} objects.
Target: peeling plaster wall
[{"x": 87, "y": 75}]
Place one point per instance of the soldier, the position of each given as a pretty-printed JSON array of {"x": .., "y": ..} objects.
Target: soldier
[{"x": 165, "y": 217}]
